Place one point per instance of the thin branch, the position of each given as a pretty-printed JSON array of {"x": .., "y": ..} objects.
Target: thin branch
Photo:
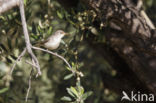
[
  {"x": 28, "y": 90},
  {"x": 149, "y": 22},
  {"x": 31, "y": 63},
  {"x": 26, "y": 36},
  {"x": 55, "y": 54},
  {"x": 18, "y": 59}
]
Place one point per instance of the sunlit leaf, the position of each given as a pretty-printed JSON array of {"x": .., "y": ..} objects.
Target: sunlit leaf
[
  {"x": 68, "y": 76},
  {"x": 70, "y": 92},
  {"x": 60, "y": 15},
  {"x": 81, "y": 89},
  {"x": 3, "y": 90},
  {"x": 65, "y": 98},
  {"x": 74, "y": 91},
  {"x": 49, "y": 31}
]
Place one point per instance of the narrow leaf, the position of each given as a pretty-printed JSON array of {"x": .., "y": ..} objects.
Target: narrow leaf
[
  {"x": 59, "y": 15},
  {"x": 3, "y": 90},
  {"x": 70, "y": 92},
  {"x": 74, "y": 91},
  {"x": 68, "y": 76},
  {"x": 65, "y": 98}
]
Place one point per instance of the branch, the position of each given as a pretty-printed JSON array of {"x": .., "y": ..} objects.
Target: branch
[
  {"x": 28, "y": 90},
  {"x": 55, "y": 54},
  {"x": 18, "y": 59},
  {"x": 5, "y": 5},
  {"x": 26, "y": 36},
  {"x": 31, "y": 64}
]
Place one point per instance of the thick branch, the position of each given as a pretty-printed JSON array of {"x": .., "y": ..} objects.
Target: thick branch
[
  {"x": 26, "y": 36},
  {"x": 5, "y": 5}
]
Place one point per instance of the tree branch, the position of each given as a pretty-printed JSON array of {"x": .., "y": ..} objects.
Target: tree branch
[
  {"x": 26, "y": 36},
  {"x": 55, "y": 54},
  {"x": 18, "y": 59},
  {"x": 5, "y": 5},
  {"x": 29, "y": 87}
]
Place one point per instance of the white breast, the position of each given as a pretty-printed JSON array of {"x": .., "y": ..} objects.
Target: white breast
[{"x": 52, "y": 44}]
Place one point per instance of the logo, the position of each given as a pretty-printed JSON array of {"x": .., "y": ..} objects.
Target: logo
[{"x": 137, "y": 96}]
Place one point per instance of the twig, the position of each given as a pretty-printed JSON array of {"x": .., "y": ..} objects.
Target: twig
[
  {"x": 31, "y": 63},
  {"x": 55, "y": 54},
  {"x": 18, "y": 59},
  {"x": 148, "y": 21},
  {"x": 28, "y": 90},
  {"x": 26, "y": 36}
]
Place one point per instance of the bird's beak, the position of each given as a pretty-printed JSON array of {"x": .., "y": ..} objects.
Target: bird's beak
[{"x": 66, "y": 34}]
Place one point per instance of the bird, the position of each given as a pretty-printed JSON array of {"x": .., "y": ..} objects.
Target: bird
[{"x": 53, "y": 41}]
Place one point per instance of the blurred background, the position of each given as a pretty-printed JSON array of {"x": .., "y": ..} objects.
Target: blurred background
[{"x": 44, "y": 17}]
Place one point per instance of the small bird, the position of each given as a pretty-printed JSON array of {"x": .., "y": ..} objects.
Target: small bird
[{"x": 53, "y": 41}]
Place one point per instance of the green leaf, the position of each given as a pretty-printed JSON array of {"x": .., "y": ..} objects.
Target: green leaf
[
  {"x": 60, "y": 15},
  {"x": 25, "y": 1},
  {"x": 49, "y": 31},
  {"x": 55, "y": 22},
  {"x": 86, "y": 95},
  {"x": 81, "y": 89},
  {"x": 8, "y": 59},
  {"x": 73, "y": 64},
  {"x": 3, "y": 90},
  {"x": 70, "y": 92},
  {"x": 13, "y": 57},
  {"x": 2, "y": 17},
  {"x": 68, "y": 76},
  {"x": 74, "y": 91},
  {"x": 68, "y": 68},
  {"x": 65, "y": 98}
]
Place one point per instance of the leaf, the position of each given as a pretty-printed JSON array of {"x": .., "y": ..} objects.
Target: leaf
[
  {"x": 55, "y": 22},
  {"x": 74, "y": 91},
  {"x": 65, "y": 98},
  {"x": 86, "y": 95},
  {"x": 3, "y": 90},
  {"x": 2, "y": 17},
  {"x": 70, "y": 92},
  {"x": 3, "y": 47},
  {"x": 25, "y": 1},
  {"x": 81, "y": 89},
  {"x": 73, "y": 64},
  {"x": 8, "y": 60},
  {"x": 49, "y": 31},
  {"x": 14, "y": 57},
  {"x": 68, "y": 76},
  {"x": 60, "y": 15},
  {"x": 68, "y": 68}
]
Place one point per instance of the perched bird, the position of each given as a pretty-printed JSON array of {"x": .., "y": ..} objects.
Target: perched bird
[{"x": 53, "y": 41}]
